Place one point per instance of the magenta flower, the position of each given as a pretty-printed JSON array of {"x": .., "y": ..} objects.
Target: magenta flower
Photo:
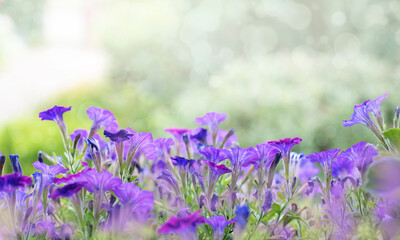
[
  {"x": 101, "y": 118},
  {"x": 213, "y": 154},
  {"x": 120, "y": 136},
  {"x": 178, "y": 132},
  {"x": 68, "y": 190},
  {"x": 184, "y": 226},
  {"x": 219, "y": 223},
  {"x": 11, "y": 182},
  {"x": 285, "y": 145},
  {"x": 48, "y": 169}
]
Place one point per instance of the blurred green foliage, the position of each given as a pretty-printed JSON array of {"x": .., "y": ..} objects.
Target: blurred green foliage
[{"x": 277, "y": 68}]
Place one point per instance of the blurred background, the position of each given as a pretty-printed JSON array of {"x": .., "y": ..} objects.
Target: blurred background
[{"x": 278, "y": 68}]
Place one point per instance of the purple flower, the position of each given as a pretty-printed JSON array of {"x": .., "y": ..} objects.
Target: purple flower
[
  {"x": 306, "y": 170},
  {"x": 66, "y": 191},
  {"x": 212, "y": 120},
  {"x": 215, "y": 172},
  {"x": 361, "y": 154},
  {"x": 213, "y": 154},
  {"x": 240, "y": 157},
  {"x": 101, "y": 118},
  {"x": 180, "y": 161},
  {"x": 265, "y": 154},
  {"x": 54, "y": 114},
  {"x": 219, "y": 223},
  {"x": 361, "y": 116},
  {"x": 96, "y": 182},
  {"x": 170, "y": 180},
  {"x": 268, "y": 200},
  {"x": 139, "y": 142},
  {"x": 11, "y": 182},
  {"x": 242, "y": 215},
  {"x": 324, "y": 158},
  {"x": 42, "y": 181},
  {"x": 51, "y": 170},
  {"x": 162, "y": 148},
  {"x": 183, "y": 226},
  {"x": 178, "y": 132},
  {"x": 285, "y": 145},
  {"x": 82, "y": 132},
  {"x": 16, "y": 166},
  {"x": 342, "y": 166},
  {"x": 383, "y": 177},
  {"x": 120, "y": 136},
  {"x": 200, "y": 136},
  {"x": 139, "y": 202},
  {"x": 375, "y": 108}
]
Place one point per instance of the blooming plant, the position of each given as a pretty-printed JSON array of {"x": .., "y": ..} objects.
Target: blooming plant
[{"x": 123, "y": 184}]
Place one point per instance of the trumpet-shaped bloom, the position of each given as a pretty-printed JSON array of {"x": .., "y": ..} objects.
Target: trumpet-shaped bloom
[
  {"x": 219, "y": 223},
  {"x": 82, "y": 132},
  {"x": 96, "y": 182},
  {"x": 140, "y": 202},
  {"x": 265, "y": 154},
  {"x": 184, "y": 226},
  {"x": 170, "y": 180},
  {"x": 180, "y": 161},
  {"x": 216, "y": 171},
  {"x": 324, "y": 158},
  {"x": 101, "y": 118},
  {"x": 212, "y": 120},
  {"x": 11, "y": 182},
  {"x": 240, "y": 157},
  {"x": 54, "y": 114},
  {"x": 50, "y": 169},
  {"x": 178, "y": 132},
  {"x": 66, "y": 191},
  {"x": 120, "y": 136},
  {"x": 374, "y": 107},
  {"x": 139, "y": 142},
  {"x": 361, "y": 154},
  {"x": 162, "y": 147},
  {"x": 285, "y": 145},
  {"x": 213, "y": 154}
]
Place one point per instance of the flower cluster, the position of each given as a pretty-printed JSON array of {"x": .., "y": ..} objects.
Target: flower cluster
[{"x": 200, "y": 184}]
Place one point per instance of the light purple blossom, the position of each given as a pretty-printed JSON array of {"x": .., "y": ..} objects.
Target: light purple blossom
[
  {"x": 66, "y": 191},
  {"x": 184, "y": 226},
  {"x": 211, "y": 119},
  {"x": 219, "y": 223},
  {"x": 120, "y": 136},
  {"x": 101, "y": 118},
  {"x": 50, "y": 169},
  {"x": 54, "y": 114},
  {"x": 213, "y": 154},
  {"x": 83, "y": 133}
]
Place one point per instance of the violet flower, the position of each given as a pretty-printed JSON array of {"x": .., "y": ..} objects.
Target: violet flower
[
  {"x": 361, "y": 116},
  {"x": 324, "y": 158},
  {"x": 268, "y": 200},
  {"x": 95, "y": 153},
  {"x": 284, "y": 146},
  {"x": 101, "y": 118},
  {"x": 68, "y": 190},
  {"x": 215, "y": 171},
  {"x": 138, "y": 142},
  {"x": 50, "y": 169},
  {"x": 56, "y": 114},
  {"x": 219, "y": 223},
  {"x": 212, "y": 120},
  {"x": 200, "y": 136},
  {"x": 242, "y": 216},
  {"x": 170, "y": 180},
  {"x": 162, "y": 149},
  {"x": 16, "y": 166},
  {"x": 83, "y": 133},
  {"x": 11, "y": 182},
  {"x": 184, "y": 226},
  {"x": 239, "y": 157},
  {"x": 361, "y": 155},
  {"x": 213, "y": 154},
  {"x": 96, "y": 182},
  {"x": 224, "y": 139},
  {"x": 118, "y": 137},
  {"x": 137, "y": 201}
]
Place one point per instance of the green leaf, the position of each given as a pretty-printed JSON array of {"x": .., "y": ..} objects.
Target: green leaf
[
  {"x": 393, "y": 135},
  {"x": 276, "y": 207},
  {"x": 281, "y": 196}
]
